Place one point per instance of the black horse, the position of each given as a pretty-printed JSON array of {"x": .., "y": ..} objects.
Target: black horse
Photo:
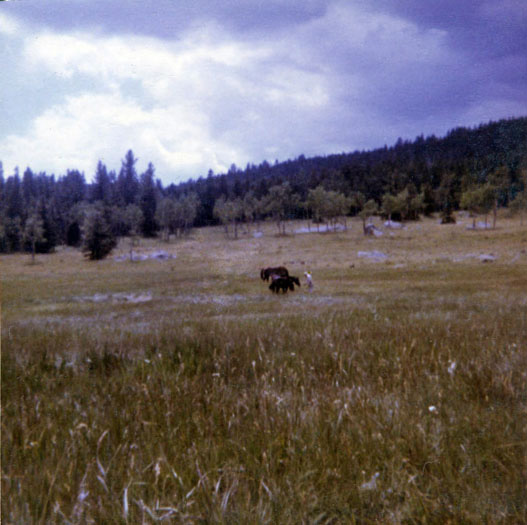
[
  {"x": 284, "y": 284},
  {"x": 280, "y": 271}
]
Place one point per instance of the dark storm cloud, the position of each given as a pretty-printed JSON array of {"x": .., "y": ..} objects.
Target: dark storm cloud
[
  {"x": 480, "y": 31},
  {"x": 483, "y": 35},
  {"x": 166, "y": 18}
]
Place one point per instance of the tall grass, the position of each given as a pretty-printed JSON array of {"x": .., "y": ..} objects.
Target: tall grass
[{"x": 372, "y": 400}]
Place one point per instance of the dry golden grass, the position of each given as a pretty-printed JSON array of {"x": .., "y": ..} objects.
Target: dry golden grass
[{"x": 183, "y": 390}]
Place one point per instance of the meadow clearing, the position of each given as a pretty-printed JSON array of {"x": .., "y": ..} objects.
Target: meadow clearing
[{"x": 184, "y": 391}]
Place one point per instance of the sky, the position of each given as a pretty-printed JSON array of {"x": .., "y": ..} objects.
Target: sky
[{"x": 199, "y": 85}]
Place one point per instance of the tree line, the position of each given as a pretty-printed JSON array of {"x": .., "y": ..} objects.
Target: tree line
[
  {"x": 38, "y": 211},
  {"x": 479, "y": 169}
]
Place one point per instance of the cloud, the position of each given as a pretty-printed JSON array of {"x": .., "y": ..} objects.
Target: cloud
[
  {"x": 508, "y": 12},
  {"x": 329, "y": 77},
  {"x": 203, "y": 101},
  {"x": 8, "y": 25},
  {"x": 89, "y": 127}
]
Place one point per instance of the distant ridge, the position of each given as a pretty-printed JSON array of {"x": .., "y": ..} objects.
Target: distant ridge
[{"x": 463, "y": 152}]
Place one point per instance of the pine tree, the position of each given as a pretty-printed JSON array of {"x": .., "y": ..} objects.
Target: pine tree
[
  {"x": 127, "y": 181},
  {"x": 74, "y": 224},
  {"x": 99, "y": 240},
  {"x": 446, "y": 198},
  {"x": 29, "y": 190},
  {"x": 14, "y": 199},
  {"x": 71, "y": 190},
  {"x": 148, "y": 202},
  {"x": 102, "y": 187},
  {"x": 428, "y": 199},
  {"x": 10, "y": 235},
  {"x": 49, "y": 229}
]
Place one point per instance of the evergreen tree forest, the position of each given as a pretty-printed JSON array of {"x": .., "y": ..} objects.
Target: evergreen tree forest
[{"x": 479, "y": 169}]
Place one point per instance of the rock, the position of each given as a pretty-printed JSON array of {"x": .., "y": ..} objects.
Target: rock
[
  {"x": 487, "y": 257},
  {"x": 394, "y": 225},
  {"x": 371, "y": 229},
  {"x": 131, "y": 297},
  {"x": 379, "y": 256},
  {"x": 98, "y": 298},
  {"x": 479, "y": 226},
  {"x": 161, "y": 255}
]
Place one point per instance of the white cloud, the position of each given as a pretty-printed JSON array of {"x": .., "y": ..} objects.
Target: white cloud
[
  {"x": 8, "y": 25},
  {"x": 348, "y": 36},
  {"x": 72, "y": 134},
  {"x": 104, "y": 126},
  {"x": 204, "y": 101}
]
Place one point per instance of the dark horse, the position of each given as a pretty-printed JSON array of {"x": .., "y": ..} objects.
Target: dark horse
[
  {"x": 284, "y": 283},
  {"x": 281, "y": 271}
]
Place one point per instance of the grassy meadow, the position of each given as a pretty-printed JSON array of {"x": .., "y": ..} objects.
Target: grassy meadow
[{"x": 184, "y": 391}]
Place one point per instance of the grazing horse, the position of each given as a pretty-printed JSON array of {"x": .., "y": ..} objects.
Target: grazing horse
[
  {"x": 284, "y": 283},
  {"x": 281, "y": 271}
]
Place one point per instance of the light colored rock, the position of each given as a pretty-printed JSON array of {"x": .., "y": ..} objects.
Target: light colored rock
[
  {"x": 394, "y": 225},
  {"x": 375, "y": 254}
]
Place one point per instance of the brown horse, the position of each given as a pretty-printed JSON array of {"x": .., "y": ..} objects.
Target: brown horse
[
  {"x": 284, "y": 284},
  {"x": 280, "y": 271}
]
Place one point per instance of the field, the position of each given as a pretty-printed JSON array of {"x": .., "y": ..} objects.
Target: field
[{"x": 184, "y": 391}]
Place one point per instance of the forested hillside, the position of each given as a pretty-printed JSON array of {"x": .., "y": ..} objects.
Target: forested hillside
[
  {"x": 477, "y": 169},
  {"x": 440, "y": 167}
]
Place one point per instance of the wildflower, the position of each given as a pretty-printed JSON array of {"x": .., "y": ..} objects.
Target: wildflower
[
  {"x": 452, "y": 368},
  {"x": 372, "y": 484}
]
